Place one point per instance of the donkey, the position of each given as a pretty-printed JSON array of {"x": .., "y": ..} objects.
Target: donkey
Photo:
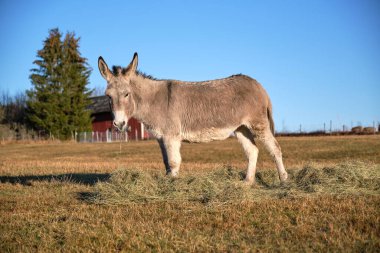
[{"x": 175, "y": 111}]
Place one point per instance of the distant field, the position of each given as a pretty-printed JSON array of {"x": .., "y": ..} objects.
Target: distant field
[{"x": 115, "y": 197}]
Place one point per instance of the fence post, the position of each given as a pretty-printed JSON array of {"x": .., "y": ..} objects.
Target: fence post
[
  {"x": 374, "y": 129},
  {"x": 142, "y": 131},
  {"x": 330, "y": 126}
]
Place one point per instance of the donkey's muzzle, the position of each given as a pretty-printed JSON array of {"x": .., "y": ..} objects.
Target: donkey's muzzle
[{"x": 121, "y": 126}]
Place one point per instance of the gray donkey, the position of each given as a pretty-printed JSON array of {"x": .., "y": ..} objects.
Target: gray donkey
[{"x": 175, "y": 111}]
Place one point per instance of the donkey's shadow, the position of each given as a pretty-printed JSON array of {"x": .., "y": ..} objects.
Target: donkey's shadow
[{"x": 89, "y": 179}]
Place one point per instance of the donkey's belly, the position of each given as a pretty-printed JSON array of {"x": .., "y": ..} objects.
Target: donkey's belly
[{"x": 207, "y": 135}]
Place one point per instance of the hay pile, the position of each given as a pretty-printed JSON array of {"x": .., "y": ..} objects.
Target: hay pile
[{"x": 224, "y": 185}]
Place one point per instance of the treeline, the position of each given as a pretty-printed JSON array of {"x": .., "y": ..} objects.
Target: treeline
[
  {"x": 12, "y": 109},
  {"x": 56, "y": 105}
]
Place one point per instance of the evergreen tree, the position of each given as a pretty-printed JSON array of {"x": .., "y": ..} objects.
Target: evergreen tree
[
  {"x": 76, "y": 74},
  {"x": 57, "y": 103}
]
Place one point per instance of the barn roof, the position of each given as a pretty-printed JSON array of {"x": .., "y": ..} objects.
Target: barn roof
[{"x": 99, "y": 104}]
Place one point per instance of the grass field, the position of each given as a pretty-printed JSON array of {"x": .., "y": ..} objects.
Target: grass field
[{"x": 115, "y": 197}]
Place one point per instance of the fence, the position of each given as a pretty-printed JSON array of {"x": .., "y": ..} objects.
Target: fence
[
  {"x": 6, "y": 134},
  {"x": 107, "y": 136},
  {"x": 329, "y": 127}
]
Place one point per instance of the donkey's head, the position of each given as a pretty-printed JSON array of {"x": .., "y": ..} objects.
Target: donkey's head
[{"x": 119, "y": 90}]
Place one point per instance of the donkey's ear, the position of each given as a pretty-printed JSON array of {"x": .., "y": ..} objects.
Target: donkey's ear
[
  {"x": 133, "y": 65},
  {"x": 103, "y": 68}
]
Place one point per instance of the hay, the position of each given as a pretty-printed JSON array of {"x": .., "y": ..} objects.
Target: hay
[
  {"x": 343, "y": 178},
  {"x": 225, "y": 185}
]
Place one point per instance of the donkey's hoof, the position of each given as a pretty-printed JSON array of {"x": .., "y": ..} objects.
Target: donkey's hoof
[
  {"x": 172, "y": 174},
  {"x": 284, "y": 177},
  {"x": 249, "y": 182}
]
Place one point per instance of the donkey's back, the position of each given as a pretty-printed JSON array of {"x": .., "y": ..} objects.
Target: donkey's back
[{"x": 212, "y": 110}]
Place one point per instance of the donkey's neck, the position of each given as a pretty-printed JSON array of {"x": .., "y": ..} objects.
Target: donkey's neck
[{"x": 145, "y": 91}]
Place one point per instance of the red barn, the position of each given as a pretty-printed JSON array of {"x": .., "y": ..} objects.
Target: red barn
[{"x": 102, "y": 120}]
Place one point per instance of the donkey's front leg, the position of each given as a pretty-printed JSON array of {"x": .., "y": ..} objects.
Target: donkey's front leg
[
  {"x": 172, "y": 147},
  {"x": 164, "y": 155}
]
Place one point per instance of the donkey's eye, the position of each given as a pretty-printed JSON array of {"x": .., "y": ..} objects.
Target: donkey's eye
[{"x": 126, "y": 95}]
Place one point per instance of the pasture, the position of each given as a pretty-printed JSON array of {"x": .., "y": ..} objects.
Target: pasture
[{"x": 102, "y": 198}]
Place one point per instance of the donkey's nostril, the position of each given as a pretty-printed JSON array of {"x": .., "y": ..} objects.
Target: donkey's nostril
[{"x": 119, "y": 125}]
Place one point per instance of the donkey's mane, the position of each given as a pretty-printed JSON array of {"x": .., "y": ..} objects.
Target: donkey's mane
[
  {"x": 150, "y": 77},
  {"x": 145, "y": 75},
  {"x": 117, "y": 71}
]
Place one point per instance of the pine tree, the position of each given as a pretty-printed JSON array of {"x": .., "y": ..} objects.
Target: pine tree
[
  {"x": 57, "y": 103},
  {"x": 76, "y": 76}
]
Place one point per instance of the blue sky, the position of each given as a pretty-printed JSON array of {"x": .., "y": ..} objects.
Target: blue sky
[{"x": 319, "y": 60}]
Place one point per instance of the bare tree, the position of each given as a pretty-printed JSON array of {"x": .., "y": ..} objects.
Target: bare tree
[
  {"x": 12, "y": 109},
  {"x": 98, "y": 91}
]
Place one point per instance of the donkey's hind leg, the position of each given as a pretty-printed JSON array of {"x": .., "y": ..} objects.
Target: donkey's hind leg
[
  {"x": 246, "y": 139},
  {"x": 274, "y": 150}
]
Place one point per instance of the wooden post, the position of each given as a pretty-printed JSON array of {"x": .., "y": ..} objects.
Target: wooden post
[
  {"x": 142, "y": 131},
  {"x": 330, "y": 126},
  {"x": 374, "y": 129}
]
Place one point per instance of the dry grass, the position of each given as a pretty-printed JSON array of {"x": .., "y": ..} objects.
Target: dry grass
[
  {"x": 225, "y": 185},
  {"x": 88, "y": 197}
]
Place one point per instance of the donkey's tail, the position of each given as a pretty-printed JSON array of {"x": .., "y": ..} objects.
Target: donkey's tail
[{"x": 270, "y": 118}]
